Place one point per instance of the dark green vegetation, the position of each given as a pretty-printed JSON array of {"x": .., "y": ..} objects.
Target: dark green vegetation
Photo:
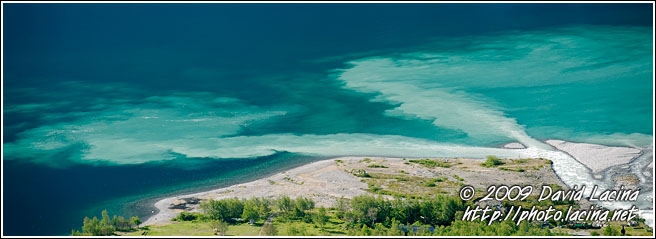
[
  {"x": 187, "y": 216},
  {"x": 376, "y": 166},
  {"x": 361, "y": 173},
  {"x": 411, "y": 187},
  {"x": 106, "y": 226},
  {"x": 431, "y": 182},
  {"x": 364, "y": 215},
  {"x": 492, "y": 161},
  {"x": 430, "y": 163}
]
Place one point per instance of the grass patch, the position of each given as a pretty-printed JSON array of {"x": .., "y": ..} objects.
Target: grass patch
[
  {"x": 432, "y": 182},
  {"x": 361, "y": 173},
  {"x": 521, "y": 161},
  {"x": 187, "y": 216},
  {"x": 400, "y": 178},
  {"x": 376, "y": 166},
  {"x": 430, "y": 163},
  {"x": 294, "y": 181},
  {"x": 334, "y": 227},
  {"x": 194, "y": 228},
  {"x": 521, "y": 170},
  {"x": 492, "y": 161}
]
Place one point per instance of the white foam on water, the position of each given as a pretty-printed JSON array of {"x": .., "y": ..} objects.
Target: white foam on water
[
  {"x": 427, "y": 99},
  {"x": 137, "y": 133},
  {"x": 432, "y": 85}
]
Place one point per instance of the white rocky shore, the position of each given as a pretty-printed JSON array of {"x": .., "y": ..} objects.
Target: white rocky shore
[
  {"x": 322, "y": 181},
  {"x": 596, "y": 157},
  {"x": 328, "y": 180}
]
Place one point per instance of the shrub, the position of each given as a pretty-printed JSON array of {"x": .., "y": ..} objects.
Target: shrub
[
  {"x": 492, "y": 161},
  {"x": 431, "y": 163},
  {"x": 376, "y": 166},
  {"x": 187, "y": 216},
  {"x": 361, "y": 173},
  {"x": 321, "y": 217},
  {"x": 610, "y": 231}
]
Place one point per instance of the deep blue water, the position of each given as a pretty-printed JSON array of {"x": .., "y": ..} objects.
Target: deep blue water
[
  {"x": 53, "y": 199},
  {"x": 114, "y": 105}
]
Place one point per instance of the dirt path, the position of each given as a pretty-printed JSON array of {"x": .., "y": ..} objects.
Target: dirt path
[{"x": 269, "y": 220}]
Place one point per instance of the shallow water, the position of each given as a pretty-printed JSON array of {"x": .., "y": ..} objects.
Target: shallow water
[{"x": 116, "y": 112}]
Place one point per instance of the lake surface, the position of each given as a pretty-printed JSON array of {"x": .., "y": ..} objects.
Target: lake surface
[{"x": 115, "y": 105}]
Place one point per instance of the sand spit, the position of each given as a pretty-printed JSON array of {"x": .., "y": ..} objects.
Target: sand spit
[
  {"x": 596, "y": 157},
  {"x": 323, "y": 181},
  {"x": 328, "y": 180},
  {"x": 514, "y": 146}
]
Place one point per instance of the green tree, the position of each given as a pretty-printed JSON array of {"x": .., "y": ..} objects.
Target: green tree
[
  {"x": 105, "y": 217},
  {"x": 97, "y": 227},
  {"x": 250, "y": 211},
  {"x": 379, "y": 230},
  {"x": 523, "y": 227},
  {"x": 365, "y": 231},
  {"x": 321, "y": 217},
  {"x": 106, "y": 227},
  {"x": 610, "y": 231},
  {"x": 365, "y": 209},
  {"x": 301, "y": 205},
  {"x": 115, "y": 221},
  {"x": 215, "y": 209},
  {"x": 263, "y": 207},
  {"x": 89, "y": 225},
  {"x": 285, "y": 205},
  {"x": 341, "y": 207},
  {"x": 224, "y": 209},
  {"x": 235, "y": 207},
  {"x": 395, "y": 229},
  {"x": 135, "y": 221}
]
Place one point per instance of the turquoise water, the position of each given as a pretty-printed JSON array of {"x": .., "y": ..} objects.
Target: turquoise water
[{"x": 115, "y": 113}]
